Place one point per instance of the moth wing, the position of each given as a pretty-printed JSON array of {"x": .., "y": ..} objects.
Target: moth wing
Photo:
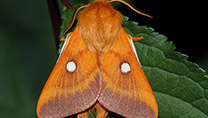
[
  {"x": 125, "y": 89},
  {"x": 71, "y": 88}
]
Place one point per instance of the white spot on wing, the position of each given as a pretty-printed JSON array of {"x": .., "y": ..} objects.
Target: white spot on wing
[
  {"x": 71, "y": 66},
  {"x": 125, "y": 68}
]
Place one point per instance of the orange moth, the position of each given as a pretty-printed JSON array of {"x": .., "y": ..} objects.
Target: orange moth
[{"x": 98, "y": 69}]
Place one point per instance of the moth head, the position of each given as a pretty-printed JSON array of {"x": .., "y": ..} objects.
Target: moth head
[
  {"x": 99, "y": 26},
  {"x": 126, "y": 2}
]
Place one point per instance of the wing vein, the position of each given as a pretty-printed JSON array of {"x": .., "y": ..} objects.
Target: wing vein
[
  {"x": 80, "y": 73},
  {"x": 122, "y": 85},
  {"x": 128, "y": 79}
]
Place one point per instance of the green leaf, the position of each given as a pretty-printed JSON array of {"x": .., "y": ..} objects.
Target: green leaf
[{"x": 180, "y": 86}]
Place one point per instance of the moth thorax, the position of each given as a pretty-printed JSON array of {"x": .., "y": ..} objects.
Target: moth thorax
[{"x": 99, "y": 26}]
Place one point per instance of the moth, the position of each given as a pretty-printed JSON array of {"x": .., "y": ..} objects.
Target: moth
[{"x": 98, "y": 69}]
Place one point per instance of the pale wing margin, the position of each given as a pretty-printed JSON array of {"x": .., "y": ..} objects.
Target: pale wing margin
[
  {"x": 131, "y": 42},
  {"x": 66, "y": 42}
]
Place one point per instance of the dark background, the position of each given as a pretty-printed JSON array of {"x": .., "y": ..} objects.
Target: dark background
[
  {"x": 182, "y": 21},
  {"x": 28, "y": 50}
]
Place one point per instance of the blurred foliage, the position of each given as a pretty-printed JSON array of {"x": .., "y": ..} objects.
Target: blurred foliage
[{"x": 28, "y": 55}]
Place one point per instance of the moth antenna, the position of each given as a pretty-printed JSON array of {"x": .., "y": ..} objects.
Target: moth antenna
[
  {"x": 129, "y": 4},
  {"x": 74, "y": 17}
]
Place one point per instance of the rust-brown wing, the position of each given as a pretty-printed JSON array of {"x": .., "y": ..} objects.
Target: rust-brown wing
[
  {"x": 125, "y": 89},
  {"x": 71, "y": 89}
]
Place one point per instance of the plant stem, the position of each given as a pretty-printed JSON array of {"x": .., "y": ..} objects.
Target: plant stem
[
  {"x": 65, "y": 2},
  {"x": 55, "y": 18}
]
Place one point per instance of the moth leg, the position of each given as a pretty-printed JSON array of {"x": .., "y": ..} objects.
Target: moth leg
[
  {"x": 137, "y": 38},
  {"x": 83, "y": 115},
  {"x": 62, "y": 39},
  {"x": 101, "y": 111}
]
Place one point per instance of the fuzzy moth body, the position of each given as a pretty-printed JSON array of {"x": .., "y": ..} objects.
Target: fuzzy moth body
[{"x": 98, "y": 69}]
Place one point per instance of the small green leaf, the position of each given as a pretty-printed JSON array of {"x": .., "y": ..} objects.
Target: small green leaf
[
  {"x": 66, "y": 19},
  {"x": 180, "y": 86}
]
